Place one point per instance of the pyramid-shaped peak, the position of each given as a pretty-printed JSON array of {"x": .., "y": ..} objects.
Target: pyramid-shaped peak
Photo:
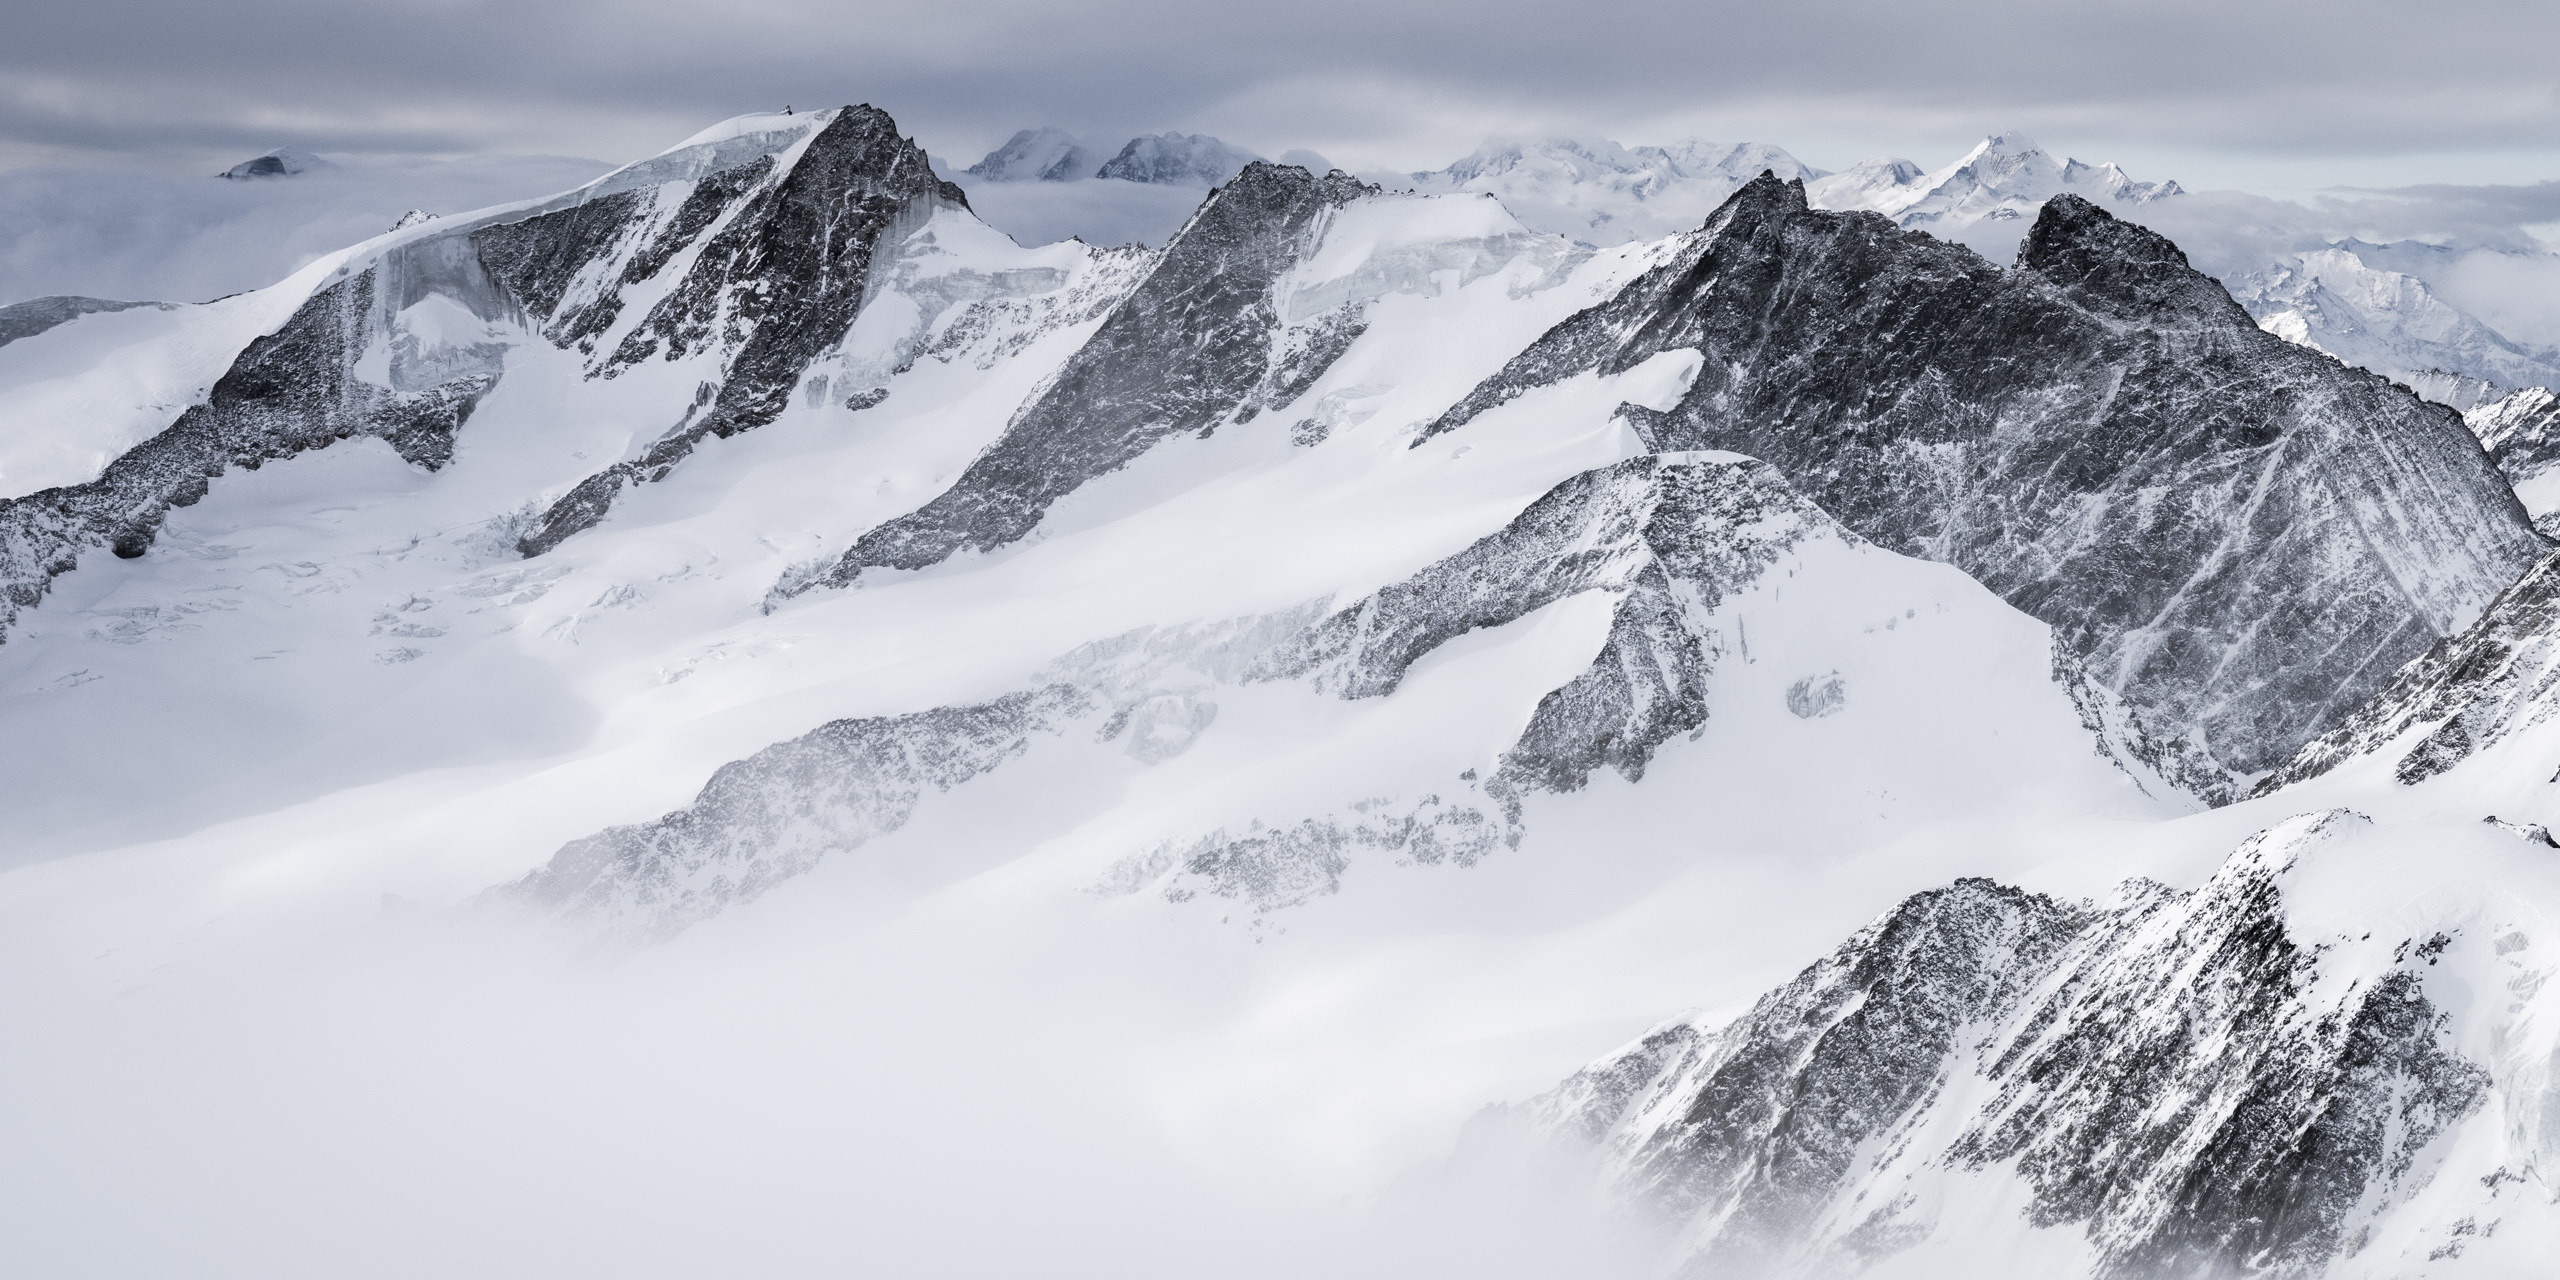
[{"x": 2008, "y": 143}]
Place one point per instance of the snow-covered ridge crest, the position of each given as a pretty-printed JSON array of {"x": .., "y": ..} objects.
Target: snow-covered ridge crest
[
  {"x": 2313, "y": 1064},
  {"x": 2521, "y": 431},
  {"x": 2471, "y": 693}
]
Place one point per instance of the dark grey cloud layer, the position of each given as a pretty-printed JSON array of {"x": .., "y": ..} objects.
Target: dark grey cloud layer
[{"x": 1369, "y": 81}]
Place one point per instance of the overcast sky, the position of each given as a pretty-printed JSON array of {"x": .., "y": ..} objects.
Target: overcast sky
[{"x": 2276, "y": 96}]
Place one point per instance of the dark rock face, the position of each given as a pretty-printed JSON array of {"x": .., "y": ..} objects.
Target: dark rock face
[
  {"x": 1761, "y": 1123},
  {"x": 777, "y": 284},
  {"x": 27, "y": 319},
  {"x": 293, "y": 390},
  {"x": 775, "y": 266},
  {"x": 1670, "y": 535},
  {"x": 2468, "y": 692},
  {"x": 773, "y": 815},
  {"x": 2169, "y": 1074},
  {"x": 1200, "y": 342},
  {"x": 2237, "y": 535},
  {"x": 283, "y": 162}
]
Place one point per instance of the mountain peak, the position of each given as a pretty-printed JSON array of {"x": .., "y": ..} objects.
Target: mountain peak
[
  {"x": 2009, "y": 143},
  {"x": 2116, "y": 266},
  {"x": 1176, "y": 160},
  {"x": 1045, "y": 154},
  {"x": 283, "y": 162}
]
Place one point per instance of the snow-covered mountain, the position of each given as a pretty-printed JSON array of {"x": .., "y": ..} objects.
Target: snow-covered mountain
[
  {"x": 1597, "y": 192},
  {"x": 283, "y": 162},
  {"x": 739, "y": 684},
  {"x": 2005, "y": 178},
  {"x": 1037, "y": 155},
  {"x": 2333, "y": 301},
  {"x": 2521, "y": 431},
  {"x": 1176, "y": 160}
]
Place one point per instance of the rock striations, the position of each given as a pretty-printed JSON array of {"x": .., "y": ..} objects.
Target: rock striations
[
  {"x": 2521, "y": 431},
  {"x": 2467, "y": 693},
  {"x": 777, "y": 260},
  {"x": 2239, "y": 536},
  {"x": 1670, "y": 536},
  {"x": 1667, "y": 538},
  {"x": 1200, "y": 342},
  {"x": 2189, "y": 1084}
]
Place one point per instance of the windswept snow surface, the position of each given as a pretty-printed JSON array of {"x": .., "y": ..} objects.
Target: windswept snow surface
[{"x": 1156, "y": 892}]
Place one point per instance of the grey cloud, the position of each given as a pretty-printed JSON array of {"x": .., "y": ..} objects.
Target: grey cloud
[
  {"x": 187, "y": 237},
  {"x": 2364, "y": 76}
]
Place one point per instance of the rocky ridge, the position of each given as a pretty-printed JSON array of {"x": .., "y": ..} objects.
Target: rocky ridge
[
  {"x": 1668, "y": 538},
  {"x": 781, "y": 260},
  {"x": 36, "y": 315},
  {"x": 2467, "y": 693},
  {"x": 758, "y": 249},
  {"x": 1201, "y": 341},
  {"x": 2238, "y": 536},
  {"x": 2189, "y": 1083}
]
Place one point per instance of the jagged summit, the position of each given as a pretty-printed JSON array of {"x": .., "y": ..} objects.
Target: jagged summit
[
  {"x": 2002, "y": 421},
  {"x": 2339, "y": 301},
  {"x": 1363, "y": 657},
  {"x": 2215, "y": 1082}
]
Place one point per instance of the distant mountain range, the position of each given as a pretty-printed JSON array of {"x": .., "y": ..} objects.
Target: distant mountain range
[
  {"x": 1162, "y": 159},
  {"x": 2370, "y": 305}
]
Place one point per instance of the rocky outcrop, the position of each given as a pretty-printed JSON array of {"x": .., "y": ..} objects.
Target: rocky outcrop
[
  {"x": 773, "y": 815},
  {"x": 1200, "y": 342},
  {"x": 778, "y": 261},
  {"x": 2238, "y": 536},
  {"x": 295, "y": 389},
  {"x": 1670, "y": 536},
  {"x": 2178, "y": 1077}
]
